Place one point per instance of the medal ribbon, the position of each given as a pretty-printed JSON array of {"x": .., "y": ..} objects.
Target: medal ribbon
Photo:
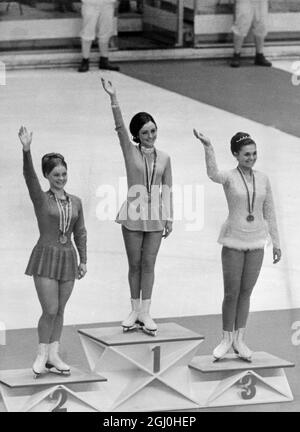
[
  {"x": 150, "y": 172},
  {"x": 250, "y": 205},
  {"x": 65, "y": 215}
]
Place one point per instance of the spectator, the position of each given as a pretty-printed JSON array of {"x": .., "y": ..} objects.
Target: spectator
[
  {"x": 97, "y": 15},
  {"x": 248, "y": 13}
]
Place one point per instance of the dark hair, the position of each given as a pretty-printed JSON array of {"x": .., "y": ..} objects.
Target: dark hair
[
  {"x": 137, "y": 122},
  {"x": 239, "y": 140},
  {"x": 50, "y": 161}
]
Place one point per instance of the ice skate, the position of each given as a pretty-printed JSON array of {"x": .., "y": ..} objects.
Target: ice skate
[
  {"x": 55, "y": 364},
  {"x": 131, "y": 322},
  {"x": 39, "y": 365},
  {"x": 222, "y": 349},
  {"x": 239, "y": 346},
  {"x": 146, "y": 322}
]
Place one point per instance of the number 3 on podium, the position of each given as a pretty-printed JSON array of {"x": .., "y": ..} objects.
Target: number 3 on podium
[{"x": 248, "y": 386}]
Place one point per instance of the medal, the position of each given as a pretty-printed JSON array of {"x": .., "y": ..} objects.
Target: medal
[
  {"x": 63, "y": 239},
  {"x": 250, "y": 217}
]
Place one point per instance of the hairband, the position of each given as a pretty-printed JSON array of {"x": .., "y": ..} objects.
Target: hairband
[
  {"x": 243, "y": 138},
  {"x": 53, "y": 155}
]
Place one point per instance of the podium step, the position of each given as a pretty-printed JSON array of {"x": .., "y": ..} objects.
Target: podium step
[
  {"x": 21, "y": 392},
  {"x": 145, "y": 373},
  {"x": 20, "y": 378},
  {"x": 114, "y": 336},
  {"x": 260, "y": 360},
  {"x": 232, "y": 381}
]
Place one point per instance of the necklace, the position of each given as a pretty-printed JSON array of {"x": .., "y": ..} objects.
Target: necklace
[{"x": 250, "y": 217}]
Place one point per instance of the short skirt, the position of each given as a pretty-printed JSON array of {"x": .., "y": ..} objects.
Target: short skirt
[{"x": 54, "y": 262}]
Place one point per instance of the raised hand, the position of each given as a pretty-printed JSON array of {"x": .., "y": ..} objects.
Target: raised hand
[
  {"x": 205, "y": 141},
  {"x": 108, "y": 87},
  {"x": 276, "y": 255},
  {"x": 25, "y": 138}
]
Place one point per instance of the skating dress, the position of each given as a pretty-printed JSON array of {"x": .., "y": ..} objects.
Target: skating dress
[
  {"x": 237, "y": 232},
  {"x": 50, "y": 258},
  {"x": 138, "y": 212}
]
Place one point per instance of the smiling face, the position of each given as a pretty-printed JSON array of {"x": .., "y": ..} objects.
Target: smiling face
[
  {"x": 58, "y": 177},
  {"x": 148, "y": 134},
  {"x": 247, "y": 156}
]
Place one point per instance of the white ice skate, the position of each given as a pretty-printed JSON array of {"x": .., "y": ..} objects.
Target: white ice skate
[
  {"x": 146, "y": 322},
  {"x": 39, "y": 365},
  {"x": 239, "y": 346},
  {"x": 131, "y": 322},
  {"x": 222, "y": 349},
  {"x": 55, "y": 364}
]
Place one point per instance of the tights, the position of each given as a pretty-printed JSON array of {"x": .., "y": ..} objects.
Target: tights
[
  {"x": 141, "y": 248},
  {"x": 240, "y": 272},
  {"x": 53, "y": 296}
]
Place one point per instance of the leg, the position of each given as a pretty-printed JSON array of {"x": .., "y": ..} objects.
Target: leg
[
  {"x": 252, "y": 266},
  {"x": 133, "y": 244},
  {"x": 64, "y": 292},
  {"x": 251, "y": 270},
  {"x": 105, "y": 32},
  {"x": 232, "y": 263},
  {"x": 55, "y": 363},
  {"x": 151, "y": 245},
  {"x": 260, "y": 31},
  {"x": 88, "y": 33},
  {"x": 47, "y": 291},
  {"x": 241, "y": 27}
]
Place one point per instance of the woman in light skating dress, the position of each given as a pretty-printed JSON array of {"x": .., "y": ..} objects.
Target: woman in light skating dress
[
  {"x": 250, "y": 221},
  {"x": 146, "y": 215}
]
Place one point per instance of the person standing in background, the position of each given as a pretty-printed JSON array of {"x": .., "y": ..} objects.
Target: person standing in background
[
  {"x": 97, "y": 19},
  {"x": 250, "y": 13}
]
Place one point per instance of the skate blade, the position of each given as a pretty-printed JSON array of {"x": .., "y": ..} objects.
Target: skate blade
[
  {"x": 149, "y": 332},
  {"x": 37, "y": 375},
  {"x": 129, "y": 329},
  {"x": 245, "y": 359},
  {"x": 54, "y": 370}
]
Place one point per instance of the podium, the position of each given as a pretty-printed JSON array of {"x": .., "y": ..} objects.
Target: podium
[
  {"x": 21, "y": 392},
  {"x": 232, "y": 381},
  {"x": 144, "y": 373}
]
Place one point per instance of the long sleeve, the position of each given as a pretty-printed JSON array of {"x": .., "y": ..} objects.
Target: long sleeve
[
  {"x": 167, "y": 193},
  {"x": 121, "y": 129},
  {"x": 80, "y": 235},
  {"x": 211, "y": 166},
  {"x": 32, "y": 182},
  {"x": 270, "y": 216}
]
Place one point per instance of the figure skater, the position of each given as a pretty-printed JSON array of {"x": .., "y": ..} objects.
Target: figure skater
[
  {"x": 146, "y": 215},
  {"x": 243, "y": 236},
  {"x": 53, "y": 262}
]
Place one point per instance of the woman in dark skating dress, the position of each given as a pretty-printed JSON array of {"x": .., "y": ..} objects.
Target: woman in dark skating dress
[
  {"x": 53, "y": 262},
  {"x": 147, "y": 219}
]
